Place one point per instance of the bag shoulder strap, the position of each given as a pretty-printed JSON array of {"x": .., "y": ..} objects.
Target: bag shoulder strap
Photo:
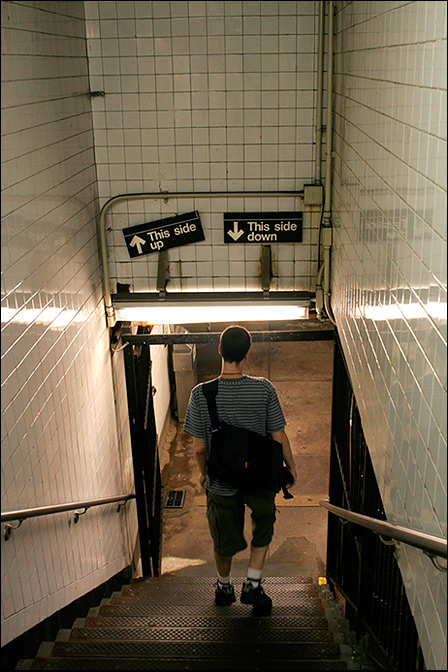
[{"x": 210, "y": 391}]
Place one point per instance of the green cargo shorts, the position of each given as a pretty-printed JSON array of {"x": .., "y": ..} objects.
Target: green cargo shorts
[{"x": 225, "y": 517}]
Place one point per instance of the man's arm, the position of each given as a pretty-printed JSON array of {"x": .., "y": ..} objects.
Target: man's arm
[
  {"x": 200, "y": 454},
  {"x": 288, "y": 458}
]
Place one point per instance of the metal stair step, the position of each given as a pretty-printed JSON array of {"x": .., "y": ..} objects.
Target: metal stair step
[
  {"x": 197, "y": 581},
  {"x": 235, "y": 651},
  {"x": 209, "y": 582},
  {"x": 244, "y": 623},
  {"x": 237, "y": 609},
  {"x": 193, "y": 580},
  {"x": 87, "y": 663},
  {"x": 188, "y": 599},
  {"x": 301, "y": 591},
  {"x": 221, "y": 634}
]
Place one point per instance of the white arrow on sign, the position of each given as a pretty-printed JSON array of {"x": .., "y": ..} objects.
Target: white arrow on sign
[
  {"x": 139, "y": 242},
  {"x": 236, "y": 233}
]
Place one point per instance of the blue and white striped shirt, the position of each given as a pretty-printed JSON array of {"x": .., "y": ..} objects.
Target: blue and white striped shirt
[{"x": 248, "y": 402}]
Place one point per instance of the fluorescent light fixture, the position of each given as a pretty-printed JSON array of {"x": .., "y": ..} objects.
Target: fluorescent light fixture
[
  {"x": 207, "y": 311},
  {"x": 208, "y": 306}
]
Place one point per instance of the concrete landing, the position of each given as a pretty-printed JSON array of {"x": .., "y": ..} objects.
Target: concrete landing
[{"x": 302, "y": 374}]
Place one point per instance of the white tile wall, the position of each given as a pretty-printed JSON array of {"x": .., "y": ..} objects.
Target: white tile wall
[
  {"x": 59, "y": 440},
  {"x": 204, "y": 96},
  {"x": 389, "y": 267}
]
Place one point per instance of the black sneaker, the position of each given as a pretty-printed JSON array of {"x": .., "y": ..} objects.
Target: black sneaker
[
  {"x": 224, "y": 594},
  {"x": 256, "y": 596}
]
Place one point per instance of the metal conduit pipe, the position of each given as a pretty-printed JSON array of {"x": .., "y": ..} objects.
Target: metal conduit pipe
[
  {"x": 110, "y": 313},
  {"x": 329, "y": 147},
  {"x": 326, "y": 222},
  {"x": 319, "y": 99}
]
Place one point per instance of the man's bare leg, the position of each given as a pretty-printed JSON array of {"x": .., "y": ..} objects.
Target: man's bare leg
[
  {"x": 223, "y": 564},
  {"x": 257, "y": 557}
]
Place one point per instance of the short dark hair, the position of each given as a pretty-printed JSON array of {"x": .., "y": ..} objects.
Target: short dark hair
[{"x": 235, "y": 343}]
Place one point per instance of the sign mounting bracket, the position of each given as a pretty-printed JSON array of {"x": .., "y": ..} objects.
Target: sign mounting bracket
[
  {"x": 266, "y": 270},
  {"x": 162, "y": 274}
]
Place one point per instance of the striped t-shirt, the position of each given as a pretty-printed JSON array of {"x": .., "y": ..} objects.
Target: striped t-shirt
[{"x": 248, "y": 402}]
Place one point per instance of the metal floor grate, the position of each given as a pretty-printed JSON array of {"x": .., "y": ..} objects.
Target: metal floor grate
[{"x": 174, "y": 499}]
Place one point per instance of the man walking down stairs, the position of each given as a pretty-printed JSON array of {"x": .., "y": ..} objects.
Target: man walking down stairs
[{"x": 170, "y": 623}]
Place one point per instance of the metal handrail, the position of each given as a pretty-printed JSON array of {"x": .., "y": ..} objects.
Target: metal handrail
[
  {"x": 431, "y": 544},
  {"x": 79, "y": 507}
]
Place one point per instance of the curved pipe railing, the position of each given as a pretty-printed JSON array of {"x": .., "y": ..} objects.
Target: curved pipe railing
[
  {"x": 79, "y": 507},
  {"x": 430, "y": 544},
  {"x": 164, "y": 195}
]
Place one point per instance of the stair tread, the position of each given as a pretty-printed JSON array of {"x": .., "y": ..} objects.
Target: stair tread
[
  {"x": 86, "y": 663},
  {"x": 207, "y": 585},
  {"x": 241, "y": 622},
  {"x": 217, "y": 634},
  {"x": 246, "y": 649},
  {"x": 192, "y": 580},
  {"x": 236, "y": 609},
  {"x": 189, "y": 599},
  {"x": 151, "y": 589}
]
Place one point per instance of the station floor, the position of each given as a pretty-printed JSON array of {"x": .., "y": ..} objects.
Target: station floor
[{"x": 302, "y": 374}]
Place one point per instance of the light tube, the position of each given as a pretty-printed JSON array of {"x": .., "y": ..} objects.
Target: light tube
[{"x": 226, "y": 311}]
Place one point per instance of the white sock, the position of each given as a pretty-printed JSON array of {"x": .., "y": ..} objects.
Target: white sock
[
  {"x": 224, "y": 580},
  {"x": 254, "y": 576}
]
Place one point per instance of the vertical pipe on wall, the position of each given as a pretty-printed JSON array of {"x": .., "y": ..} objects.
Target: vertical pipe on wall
[
  {"x": 319, "y": 98},
  {"x": 110, "y": 313},
  {"x": 326, "y": 222},
  {"x": 329, "y": 147}
]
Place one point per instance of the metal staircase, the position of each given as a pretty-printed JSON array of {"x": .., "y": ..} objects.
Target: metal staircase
[{"x": 172, "y": 623}]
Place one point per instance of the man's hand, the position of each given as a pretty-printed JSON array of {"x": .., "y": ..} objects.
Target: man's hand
[
  {"x": 293, "y": 473},
  {"x": 282, "y": 438}
]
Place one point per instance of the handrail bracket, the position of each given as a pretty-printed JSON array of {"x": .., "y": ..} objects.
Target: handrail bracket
[{"x": 9, "y": 529}]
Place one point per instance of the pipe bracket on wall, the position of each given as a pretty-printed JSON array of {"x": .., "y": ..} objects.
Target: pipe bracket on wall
[
  {"x": 266, "y": 270},
  {"x": 436, "y": 563},
  {"x": 9, "y": 529},
  {"x": 162, "y": 274},
  {"x": 78, "y": 513}
]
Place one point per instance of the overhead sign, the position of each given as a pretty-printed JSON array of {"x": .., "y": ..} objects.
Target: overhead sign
[
  {"x": 263, "y": 227},
  {"x": 163, "y": 234}
]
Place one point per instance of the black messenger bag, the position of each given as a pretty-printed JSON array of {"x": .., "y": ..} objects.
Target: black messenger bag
[{"x": 242, "y": 458}]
